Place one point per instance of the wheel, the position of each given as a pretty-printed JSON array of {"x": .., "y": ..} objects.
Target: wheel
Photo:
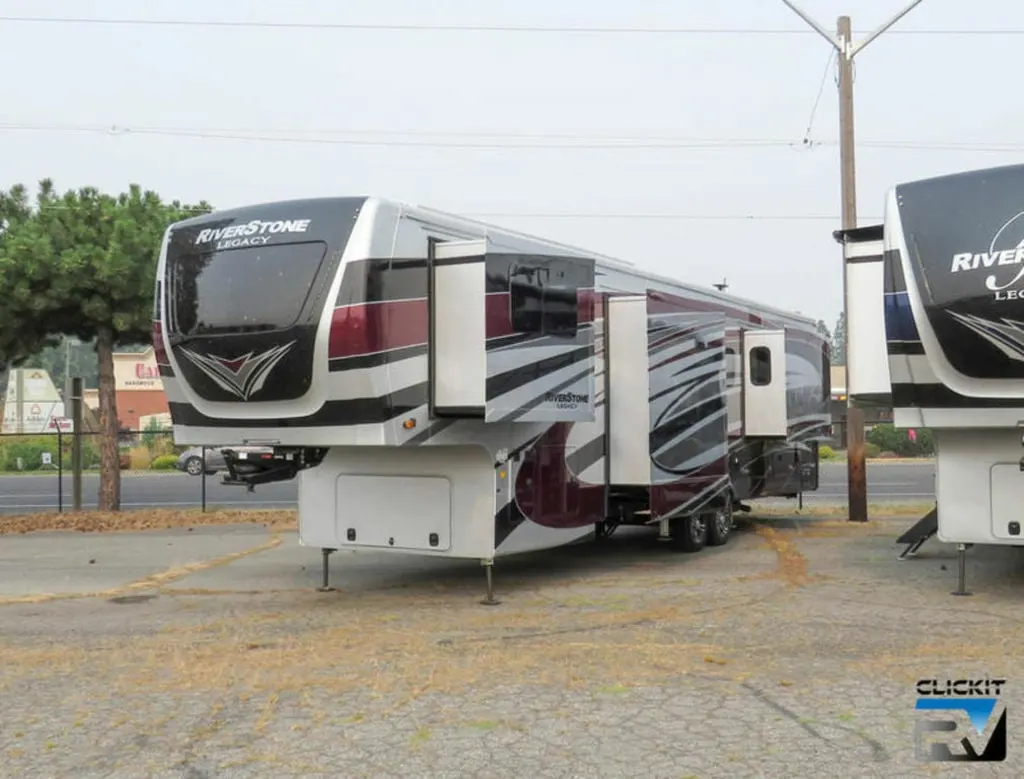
[
  {"x": 194, "y": 466},
  {"x": 720, "y": 522},
  {"x": 689, "y": 534}
]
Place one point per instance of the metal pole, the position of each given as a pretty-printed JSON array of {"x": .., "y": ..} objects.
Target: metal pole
[
  {"x": 67, "y": 374},
  {"x": 77, "y": 417},
  {"x": 203, "y": 477},
  {"x": 60, "y": 471}
]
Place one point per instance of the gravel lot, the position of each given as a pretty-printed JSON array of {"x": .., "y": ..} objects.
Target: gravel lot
[{"x": 791, "y": 652}]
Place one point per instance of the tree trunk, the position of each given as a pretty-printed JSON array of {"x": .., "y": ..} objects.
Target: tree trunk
[{"x": 110, "y": 459}]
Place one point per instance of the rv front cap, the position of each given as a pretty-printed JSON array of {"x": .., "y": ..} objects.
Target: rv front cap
[{"x": 254, "y": 227}]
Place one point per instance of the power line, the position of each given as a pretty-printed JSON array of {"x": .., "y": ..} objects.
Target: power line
[
  {"x": 466, "y": 140},
  {"x": 667, "y": 216},
  {"x": 270, "y": 137},
  {"x": 512, "y": 28},
  {"x": 615, "y": 215},
  {"x": 817, "y": 100}
]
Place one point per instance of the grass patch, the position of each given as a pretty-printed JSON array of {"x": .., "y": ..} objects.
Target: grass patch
[
  {"x": 421, "y": 736},
  {"x": 484, "y": 724},
  {"x": 615, "y": 689},
  {"x": 130, "y": 521}
]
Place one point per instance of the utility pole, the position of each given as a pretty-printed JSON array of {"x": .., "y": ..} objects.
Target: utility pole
[{"x": 846, "y": 49}]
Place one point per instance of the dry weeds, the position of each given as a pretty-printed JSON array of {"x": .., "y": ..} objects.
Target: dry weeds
[
  {"x": 396, "y": 646},
  {"x": 792, "y": 565},
  {"x": 131, "y": 521}
]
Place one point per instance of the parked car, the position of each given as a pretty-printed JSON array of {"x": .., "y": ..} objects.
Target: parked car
[{"x": 191, "y": 460}]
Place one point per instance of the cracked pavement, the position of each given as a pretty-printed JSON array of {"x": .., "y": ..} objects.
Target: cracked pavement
[{"x": 791, "y": 652}]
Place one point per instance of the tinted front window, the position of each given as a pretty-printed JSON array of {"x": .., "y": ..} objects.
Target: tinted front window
[{"x": 242, "y": 290}]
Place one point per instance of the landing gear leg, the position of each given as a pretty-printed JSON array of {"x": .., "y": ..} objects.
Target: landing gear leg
[
  {"x": 326, "y": 566},
  {"x": 961, "y": 559},
  {"x": 664, "y": 531},
  {"x": 489, "y": 570}
]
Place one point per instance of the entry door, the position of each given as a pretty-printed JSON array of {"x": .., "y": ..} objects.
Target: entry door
[{"x": 764, "y": 384}]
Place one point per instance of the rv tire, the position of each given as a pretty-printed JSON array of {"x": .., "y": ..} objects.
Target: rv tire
[
  {"x": 690, "y": 534},
  {"x": 720, "y": 521}
]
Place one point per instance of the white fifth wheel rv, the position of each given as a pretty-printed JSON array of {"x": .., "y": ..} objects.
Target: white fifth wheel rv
[
  {"x": 936, "y": 330},
  {"x": 445, "y": 387}
]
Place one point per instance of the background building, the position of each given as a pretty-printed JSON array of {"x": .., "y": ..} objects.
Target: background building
[{"x": 140, "y": 391}]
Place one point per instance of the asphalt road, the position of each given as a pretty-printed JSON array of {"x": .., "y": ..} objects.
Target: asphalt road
[{"x": 906, "y": 482}]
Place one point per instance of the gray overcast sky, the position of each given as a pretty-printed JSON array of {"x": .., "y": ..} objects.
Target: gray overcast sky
[{"x": 370, "y": 84}]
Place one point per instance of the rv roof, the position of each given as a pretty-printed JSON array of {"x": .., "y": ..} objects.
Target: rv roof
[{"x": 608, "y": 260}]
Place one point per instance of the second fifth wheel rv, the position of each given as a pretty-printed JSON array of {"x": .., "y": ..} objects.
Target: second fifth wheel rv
[{"x": 936, "y": 328}]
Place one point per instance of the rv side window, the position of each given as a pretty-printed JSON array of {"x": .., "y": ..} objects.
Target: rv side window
[
  {"x": 760, "y": 366},
  {"x": 526, "y": 303},
  {"x": 538, "y": 307},
  {"x": 561, "y": 309}
]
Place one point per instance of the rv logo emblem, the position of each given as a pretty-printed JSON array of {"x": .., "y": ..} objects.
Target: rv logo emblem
[{"x": 242, "y": 376}]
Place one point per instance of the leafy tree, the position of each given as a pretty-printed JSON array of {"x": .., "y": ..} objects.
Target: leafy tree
[
  {"x": 82, "y": 264},
  {"x": 838, "y": 341},
  {"x": 79, "y": 356}
]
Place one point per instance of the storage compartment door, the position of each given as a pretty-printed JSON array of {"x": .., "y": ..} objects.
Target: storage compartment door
[
  {"x": 394, "y": 512},
  {"x": 764, "y": 384},
  {"x": 628, "y": 391},
  {"x": 458, "y": 329}
]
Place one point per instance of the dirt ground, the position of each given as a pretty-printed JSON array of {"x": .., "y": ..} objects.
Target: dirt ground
[{"x": 793, "y": 651}]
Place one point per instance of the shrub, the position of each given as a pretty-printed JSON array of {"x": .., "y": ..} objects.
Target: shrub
[
  {"x": 826, "y": 452},
  {"x": 888, "y": 439},
  {"x": 872, "y": 450},
  {"x": 30, "y": 449},
  {"x": 164, "y": 462},
  {"x": 139, "y": 458}
]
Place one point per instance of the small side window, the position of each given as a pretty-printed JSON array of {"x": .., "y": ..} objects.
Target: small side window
[{"x": 760, "y": 366}]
